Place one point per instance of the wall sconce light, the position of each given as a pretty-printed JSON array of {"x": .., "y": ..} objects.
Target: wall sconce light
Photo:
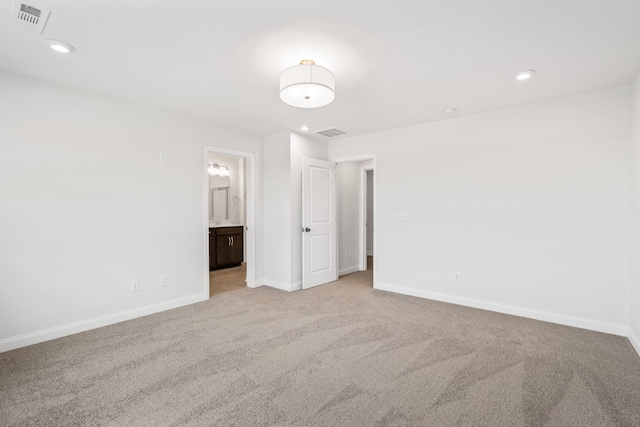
[{"x": 219, "y": 170}]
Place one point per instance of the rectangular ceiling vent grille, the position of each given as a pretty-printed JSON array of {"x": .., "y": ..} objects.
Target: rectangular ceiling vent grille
[
  {"x": 331, "y": 132},
  {"x": 29, "y": 17}
]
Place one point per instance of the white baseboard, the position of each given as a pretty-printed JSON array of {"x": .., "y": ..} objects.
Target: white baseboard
[
  {"x": 257, "y": 283},
  {"x": 289, "y": 287},
  {"x": 348, "y": 270},
  {"x": 369, "y": 253},
  {"x": 48, "y": 334},
  {"x": 561, "y": 319},
  {"x": 633, "y": 338}
]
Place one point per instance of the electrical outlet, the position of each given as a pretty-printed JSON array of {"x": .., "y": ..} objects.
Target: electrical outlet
[
  {"x": 457, "y": 276},
  {"x": 164, "y": 158},
  {"x": 164, "y": 280},
  {"x": 135, "y": 285},
  {"x": 350, "y": 254}
]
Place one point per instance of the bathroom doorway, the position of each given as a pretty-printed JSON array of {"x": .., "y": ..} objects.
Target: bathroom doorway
[{"x": 230, "y": 211}]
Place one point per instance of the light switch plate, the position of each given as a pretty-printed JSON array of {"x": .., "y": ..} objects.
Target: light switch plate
[{"x": 401, "y": 216}]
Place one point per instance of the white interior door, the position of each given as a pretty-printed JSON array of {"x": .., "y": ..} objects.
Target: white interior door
[{"x": 319, "y": 229}]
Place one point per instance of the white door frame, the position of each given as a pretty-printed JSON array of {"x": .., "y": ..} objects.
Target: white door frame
[
  {"x": 250, "y": 209},
  {"x": 363, "y": 216},
  {"x": 362, "y": 245}
]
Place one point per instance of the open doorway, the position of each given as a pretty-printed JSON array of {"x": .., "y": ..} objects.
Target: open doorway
[
  {"x": 368, "y": 218},
  {"x": 230, "y": 220},
  {"x": 356, "y": 181}
]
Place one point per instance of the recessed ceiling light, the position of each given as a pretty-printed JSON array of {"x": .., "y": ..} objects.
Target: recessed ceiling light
[
  {"x": 525, "y": 75},
  {"x": 304, "y": 128},
  {"x": 450, "y": 111},
  {"x": 59, "y": 46}
]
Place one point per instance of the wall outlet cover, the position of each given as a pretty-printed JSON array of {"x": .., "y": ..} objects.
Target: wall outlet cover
[{"x": 401, "y": 216}]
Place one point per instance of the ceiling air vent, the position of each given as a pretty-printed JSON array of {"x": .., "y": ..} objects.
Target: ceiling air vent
[
  {"x": 29, "y": 17},
  {"x": 331, "y": 132}
]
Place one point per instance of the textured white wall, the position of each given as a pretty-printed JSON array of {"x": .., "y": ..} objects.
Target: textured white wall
[
  {"x": 634, "y": 306},
  {"x": 531, "y": 204},
  {"x": 86, "y": 207}
]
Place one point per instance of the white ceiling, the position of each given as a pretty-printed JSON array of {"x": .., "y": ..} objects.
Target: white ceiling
[{"x": 396, "y": 63}]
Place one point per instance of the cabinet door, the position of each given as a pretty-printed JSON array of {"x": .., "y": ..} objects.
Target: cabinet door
[
  {"x": 212, "y": 249},
  {"x": 223, "y": 250},
  {"x": 237, "y": 252}
]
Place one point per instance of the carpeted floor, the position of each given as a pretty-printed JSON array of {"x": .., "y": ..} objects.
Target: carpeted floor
[{"x": 341, "y": 354}]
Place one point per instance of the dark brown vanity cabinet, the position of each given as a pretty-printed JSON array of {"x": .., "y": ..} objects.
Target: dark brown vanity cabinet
[{"x": 226, "y": 247}]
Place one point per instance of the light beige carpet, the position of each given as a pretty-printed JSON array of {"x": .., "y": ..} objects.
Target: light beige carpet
[{"x": 338, "y": 355}]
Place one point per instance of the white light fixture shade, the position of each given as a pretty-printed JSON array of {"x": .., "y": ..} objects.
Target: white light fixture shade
[{"x": 307, "y": 85}]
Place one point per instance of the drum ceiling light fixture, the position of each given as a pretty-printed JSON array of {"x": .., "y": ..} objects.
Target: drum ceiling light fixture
[{"x": 307, "y": 85}]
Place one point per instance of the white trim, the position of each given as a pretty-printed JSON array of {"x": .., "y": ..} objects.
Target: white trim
[
  {"x": 370, "y": 253},
  {"x": 250, "y": 208},
  {"x": 257, "y": 283},
  {"x": 362, "y": 221},
  {"x": 358, "y": 158},
  {"x": 364, "y": 215},
  {"x": 288, "y": 287},
  {"x": 561, "y": 319},
  {"x": 633, "y": 339},
  {"x": 349, "y": 270},
  {"x": 48, "y": 334}
]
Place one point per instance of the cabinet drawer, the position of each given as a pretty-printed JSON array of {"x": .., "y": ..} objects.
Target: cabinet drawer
[{"x": 225, "y": 231}]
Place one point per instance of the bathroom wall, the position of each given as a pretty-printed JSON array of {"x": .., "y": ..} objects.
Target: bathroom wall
[{"x": 236, "y": 187}]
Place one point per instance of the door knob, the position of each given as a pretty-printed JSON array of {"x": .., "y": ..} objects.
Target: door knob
[{"x": 307, "y": 229}]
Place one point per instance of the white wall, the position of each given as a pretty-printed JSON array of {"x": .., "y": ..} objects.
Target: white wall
[
  {"x": 284, "y": 152},
  {"x": 86, "y": 207},
  {"x": 348, "y": 182},
  {"x": 301, "y": 147},
  {"x": 634, "y": 306},
  {"x": 531, "y": 204},
  {"x": 277, "y": 211}
]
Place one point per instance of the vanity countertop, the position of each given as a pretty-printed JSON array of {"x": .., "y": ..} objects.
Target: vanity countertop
[{"x": 212, "y": 225}]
